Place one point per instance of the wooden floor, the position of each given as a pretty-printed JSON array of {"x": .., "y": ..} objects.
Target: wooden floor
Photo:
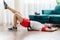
[{"x": 23, "y": 34}]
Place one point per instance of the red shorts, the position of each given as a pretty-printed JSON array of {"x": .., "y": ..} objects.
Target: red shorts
[
  {"x": 25, "y": 22},
  {"x": 43, "y": 29}
]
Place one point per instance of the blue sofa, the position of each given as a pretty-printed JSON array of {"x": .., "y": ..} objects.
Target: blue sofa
[{"x": 48, "y": 16}]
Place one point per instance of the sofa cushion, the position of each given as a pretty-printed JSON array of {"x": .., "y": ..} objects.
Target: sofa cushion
[
  {"x": 47, "y": 12},
  {"x": 55, "y": 19},
  {"x": 41, "y": 17},
  {"x": 57, "y": 9},
  {"x": 31, "y": 17}
]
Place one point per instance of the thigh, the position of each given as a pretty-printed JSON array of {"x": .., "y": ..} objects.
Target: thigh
[{"x": 19, "y": 17}]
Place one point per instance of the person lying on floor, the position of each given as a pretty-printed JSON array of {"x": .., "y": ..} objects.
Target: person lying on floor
[{"x": 30, "y": 25}]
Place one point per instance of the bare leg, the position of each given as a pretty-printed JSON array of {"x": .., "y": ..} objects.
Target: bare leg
[
  {"x": 16, "y": 13},
  {"x": 15, "y": 21},
  {"x": 17, "y": 17},
  {"x": 51, "y": 30},
  {"x": 12, "y": 10}
]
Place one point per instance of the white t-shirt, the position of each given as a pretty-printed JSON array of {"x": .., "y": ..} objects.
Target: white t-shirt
[{"x": 36, "y": 25}]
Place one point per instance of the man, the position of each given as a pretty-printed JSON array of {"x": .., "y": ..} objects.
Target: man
[{"x": 30, "y": 25}]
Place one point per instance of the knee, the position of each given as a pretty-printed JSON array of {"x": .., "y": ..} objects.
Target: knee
[
  {"x": 14, "y": 15},
  {"x": 17, "y": 12}
]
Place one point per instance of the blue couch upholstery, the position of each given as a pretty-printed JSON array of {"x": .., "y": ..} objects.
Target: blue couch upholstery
[
  {"x": 48, "y": 16},
  {"x": 39, "y": 18},
  {"x": 57, "y": 10},
  {"x": 47, "y": 12}
]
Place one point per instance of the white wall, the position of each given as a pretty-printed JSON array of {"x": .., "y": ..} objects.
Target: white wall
[
  {"x": 28, "y": 7},
  {"x": 1, "y": 11},
  {"x": 22, "y": 7},
  {"x": 39, "y": 5},
  {"x": 25, "y": 7},
  {"x": 8, "y": 15}
]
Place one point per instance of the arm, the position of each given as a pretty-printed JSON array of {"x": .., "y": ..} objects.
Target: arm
[{"x": 51, "y": 30}]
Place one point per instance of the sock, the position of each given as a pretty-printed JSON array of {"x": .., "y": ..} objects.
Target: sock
[
  {"x": 14, "y": 27},
  {"x": 5, "y": 5}
]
